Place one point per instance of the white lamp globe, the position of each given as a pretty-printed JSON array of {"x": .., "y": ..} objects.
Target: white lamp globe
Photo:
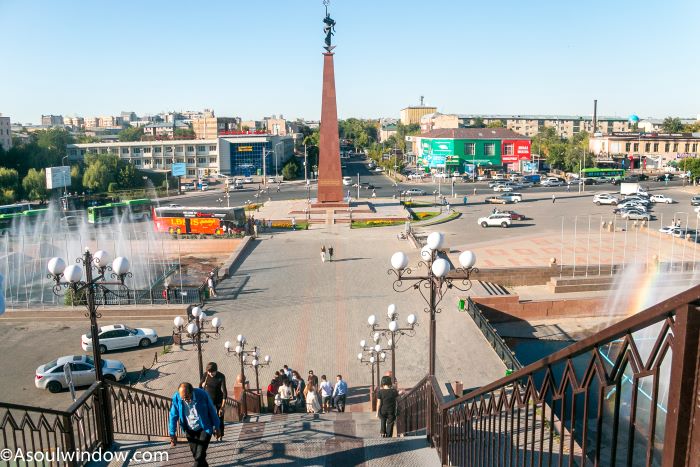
[
  {"x": 239, "y": 338},
  {"x": 391, "y": 342},
  {"x": 216, "y": 322},
  {"x": 467, "y": 259},
  {"x": 391, "y": 311},
  {"x": 399, "y": 260},
  {"x": 435, "y": 240},
  {"x": 178, "y": 321},
  {"x": 383, "y": 355},
  {"x": 255, "y": 362},
  {"x": 202, "y": 316},
  {"x": 372, "y": 320},
  {"x": 426, "y": 253},
  {"x": 371, "y": 359},
  {"x": 255, "y": 353},
  {"x": 196, "y": 311},
  {"x": 359, "y": 356},
  {"x": 73, "y": 273},
  {"x": 377, "y": 348},
  {"x": 267, "y": 359},
  {"x": 100, "y": 258},
  {"x": 227, "y": 345},
  {"x": 56, "y": 266},
  {"x": 245, "y": 357},
  {"x": 376, "y": 337},
  {"x": 441, "y": 267},
  {"x": 411, "y": 319},
  {"x": 393, "y": 326},
  {"x": 362, "y": 343},
  {"x": 238, "y": 349},
  {"x": 120, "y": 265},
  {"x": 192, "y": 328}
]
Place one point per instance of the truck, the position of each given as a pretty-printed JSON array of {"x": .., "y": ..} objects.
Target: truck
[
  {"x": 629, "y": 188},
  {"x": 534, "y": 179}
]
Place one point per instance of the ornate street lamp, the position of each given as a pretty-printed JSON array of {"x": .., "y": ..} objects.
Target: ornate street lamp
[
  {"x": 372, "y": 356},
  {"x": 392, "y": 332},
  {"x": 197, "y": 326},
  {"x": 70, "y": 278},
  {"x": 243, "y": 354},
  {"x": 437, "y": 278}
]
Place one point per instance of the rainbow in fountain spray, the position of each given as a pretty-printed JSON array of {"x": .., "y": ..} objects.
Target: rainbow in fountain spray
[{"x": 643, "y": 293}]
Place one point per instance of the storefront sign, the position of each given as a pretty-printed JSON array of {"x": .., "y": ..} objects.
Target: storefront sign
[
  {"x": 520, "y": 151},
  {"x": 245, "y": 148}
]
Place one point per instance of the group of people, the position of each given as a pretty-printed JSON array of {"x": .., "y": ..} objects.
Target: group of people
[
  {"x": 291, "y": 393},
  {"x": 326, "y": 253}
]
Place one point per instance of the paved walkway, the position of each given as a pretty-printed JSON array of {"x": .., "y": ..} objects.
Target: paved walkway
[{"x": 312, "y": 315}]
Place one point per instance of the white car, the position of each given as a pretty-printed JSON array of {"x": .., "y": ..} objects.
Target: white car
[
  {"x": 413, "y": 192},
  {"x": 512, "y": 197},
  {"x": 498, "y": 219},
  {"x": 52, "y": 376},
  {"x": 552, "y": 181},
  {"x": 379, "y": 169},
  {"x": 661, "y": 199},
  {"x": 503, "y": 187},
  {"x": 605, "y": 198},
  {"x": 673, "y": 230},
  {"x": 248, "y": 180},
  {"x": 497, "y": 181},
  {"x": 118, "y": 336},
  {"x": 347, "y": 181},
  {"x": 415, "y": 176}
]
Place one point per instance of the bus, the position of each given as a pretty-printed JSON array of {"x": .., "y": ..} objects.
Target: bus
[
  {"x": 135, "y": 209},
  {"x": 613, "y": 174},
  {"x": 28, "y": 217},
  {"x": 15, "y": 208},
  {"x": 193, "y": 220}
]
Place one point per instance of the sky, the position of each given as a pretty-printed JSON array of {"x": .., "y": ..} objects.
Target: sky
[{"x": 259, "y": 58}]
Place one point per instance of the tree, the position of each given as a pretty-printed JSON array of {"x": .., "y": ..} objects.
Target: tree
[
  {"x": 9, "y": 179},
  {"x": 477, "y": 122},
  {"x": 97, "y": 176},
  {"x": 290, "y": 169},
  {"x": 54, "y": 139},
  {"x": 672, "y": 125},
  {"x": 128, "y": 175},
  {"x": 495, "y": 124},
  {"x": 34, "y": 185},
  {"x": 76, "y": 178},
  {"x": 131, "y": 134},
  {"x": 184, "y": 133},
  {"x": 85, "y": 139}
]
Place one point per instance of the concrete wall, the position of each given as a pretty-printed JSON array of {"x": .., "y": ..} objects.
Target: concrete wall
[{"x": 509, "y": 308}]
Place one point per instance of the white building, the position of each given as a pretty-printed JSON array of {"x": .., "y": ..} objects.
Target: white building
[{"x": 5, "y": 133}]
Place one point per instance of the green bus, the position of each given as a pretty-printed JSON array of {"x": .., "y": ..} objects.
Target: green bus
[
  {"x": 15, "y": 208},
  {"x": 602, "y": 172},
  {"x": 135, "y": 209},
  {"x": 28, "y": 217}
]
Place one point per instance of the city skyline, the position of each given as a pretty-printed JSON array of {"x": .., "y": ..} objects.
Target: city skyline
[{"x": 387, "y": 56}]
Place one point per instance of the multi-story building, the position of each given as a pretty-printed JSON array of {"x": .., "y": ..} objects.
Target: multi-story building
[
  {"x": 128, "y": 117},
  {"x": 465, "y": 149},
  {"x": 412, "y": 115},
  {"x": 164, "y": 130},
  {"x": 108, "y": 121},
  {"x": 253, "y": 125},
  {"x": 644, "y": 150},
  {"x": 92, "y": 122},
  {"x": 386, "y": 131},
  {"x": 438, "y": 121},
  {"x": 565, "y": 125},
  {"x": 5, "y": 133},
  {"x": 242, "y": 154},
  {"x": 75, "y": 123},
  {"x": 210, "y": 127},
  {"x": 651, "y": 125},
  {"x": 52, "y": 120},
  {"x": 276, "y": 126}
]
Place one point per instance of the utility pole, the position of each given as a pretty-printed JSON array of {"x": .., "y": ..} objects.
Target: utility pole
[
  {"x": 306, "y": 165},
  {"x": 358, "y": 185},
  {"x": 264, "y": 167}
]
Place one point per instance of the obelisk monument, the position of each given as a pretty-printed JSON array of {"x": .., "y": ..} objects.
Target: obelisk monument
[{"x": 330, "y": 186}]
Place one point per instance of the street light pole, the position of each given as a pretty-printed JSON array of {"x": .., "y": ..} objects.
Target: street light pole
[
  {"x": 242, "y": 354},
  {"x": 392, "y": 332},
  {"x": 195, "y": 329}
]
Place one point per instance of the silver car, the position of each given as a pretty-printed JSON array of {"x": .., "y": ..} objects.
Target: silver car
[
  {"x": 51, "y": 376},
  {"x": 636, "y": 215}
]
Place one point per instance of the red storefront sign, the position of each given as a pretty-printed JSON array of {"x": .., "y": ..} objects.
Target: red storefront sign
[{"x": 520, "y": 150}]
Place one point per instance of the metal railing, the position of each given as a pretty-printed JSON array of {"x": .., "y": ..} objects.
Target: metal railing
[
  {"x": 26, "y": 429},
  {"x": 139, "y": 412},
  {"x": 492, "y": 336},
  {"x": 624, "y": 396}
]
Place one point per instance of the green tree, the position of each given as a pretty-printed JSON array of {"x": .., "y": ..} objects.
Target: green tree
[
  {"x": 131, "y": 134},
  {"x": 495, "y": 124},
  {"x": 54, "y": 139},
  {"x": 477, "y": 122},
  {"x": 97, "y": 176},
  {"x": 76, "y": 178},
  {"x": 184, "y": 133},
  {"x": 85, "y": 139},
  {"x": 128, "y": 175},
  {"x": 9, "y": 179},
  {"x": 290, "y": 170},
  {"x": 34, "y": 185},
  {"x": 672, "y": 125},
  {"x": 691, "y": 164},
  {"x": 692, "y": 128},
  {"x": 405, "y": 130}
]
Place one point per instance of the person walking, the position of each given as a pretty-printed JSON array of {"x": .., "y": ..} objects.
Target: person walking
[
  {"x": 210, "y": 285},
  {"x": 386, "y": 410},
  {"x": 568, "y": 186},
  {"x": 194, "y": 410},
  {"x": 326, "y": 393},
  {"x": 330, "y": 253},
  {"x": 374, "y": 193},
  {"x": 312, "y": 379},
  {"x": 312, "y": 404},
  {"x": 214, "y": 383},
  {"x": 464, "y": 200},
  {"x": 285, "y": 394},
  {"x": 323, "y": 254},
  {"x": 340, "y": 393},
  {"x": 294, "y": 223},
  {"x": 554, "y": 198}
]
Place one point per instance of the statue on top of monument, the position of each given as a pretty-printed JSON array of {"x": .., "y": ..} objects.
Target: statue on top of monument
[{"x": 329, "y": 28}]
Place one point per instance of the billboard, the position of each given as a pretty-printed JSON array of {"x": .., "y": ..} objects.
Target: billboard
[
  {"x": 437, "y": 151},
  {"x": 520, "y": 151},
  {"x": 57, "y": 177},
  {"x": 179, "y": 169}
]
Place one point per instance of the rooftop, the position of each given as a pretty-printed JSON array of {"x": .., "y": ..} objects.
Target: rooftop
[{"x": 473, "y": 133}]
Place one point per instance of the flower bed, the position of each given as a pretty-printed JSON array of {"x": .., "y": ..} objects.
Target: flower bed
[
  {"x": 301, "y": 225},
  {"x": 376, "y": 223},
  {"x": 424, "y": 215}
]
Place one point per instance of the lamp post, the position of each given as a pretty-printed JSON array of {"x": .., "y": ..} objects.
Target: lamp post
[
  {"x": 392, "y": 332},
  {"x": 65, "y": 182},
  {"x": 197, "y": 326},
  {"x": 373, "y": 356},
  {"x": 70, "y": 278},
  {"x": 435, "y": 280},
  {"x": 243, "y": 354}
]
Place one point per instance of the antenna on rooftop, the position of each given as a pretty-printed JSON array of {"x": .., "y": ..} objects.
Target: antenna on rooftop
[{"x": 421, "y": 101}]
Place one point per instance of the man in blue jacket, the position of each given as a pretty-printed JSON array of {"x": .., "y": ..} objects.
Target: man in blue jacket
[{"x": 195, "y": 411}]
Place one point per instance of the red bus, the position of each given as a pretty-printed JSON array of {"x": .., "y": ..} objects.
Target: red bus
[{"x": 192, "y": 220}]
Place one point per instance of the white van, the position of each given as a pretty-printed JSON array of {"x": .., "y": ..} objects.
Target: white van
[{"x": 347, "y": 181}]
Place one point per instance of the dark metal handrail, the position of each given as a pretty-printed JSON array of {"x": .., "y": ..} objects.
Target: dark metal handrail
[
  {"x": 492, "y": 336},
  {"x": 617, "y": 397}
]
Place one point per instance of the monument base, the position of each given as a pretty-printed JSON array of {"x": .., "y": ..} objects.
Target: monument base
[{"x": 330, "y": 204}]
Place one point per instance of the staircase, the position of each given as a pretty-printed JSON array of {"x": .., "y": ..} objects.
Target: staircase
[{"x": 332, "y": 439}]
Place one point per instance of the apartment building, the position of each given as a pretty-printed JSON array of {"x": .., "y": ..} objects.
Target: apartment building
[
  {"x": 276, "y": 126},
  {"x": 210, "y": 127},
  {"x": 644, "y": 150},
  {"x": 76, "y": 123},
  {"x": 412, "y": 115},
  {"x": 5, "y": 133},
  {"x": 52, "y": 120}
]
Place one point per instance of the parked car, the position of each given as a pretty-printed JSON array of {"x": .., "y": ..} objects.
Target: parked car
[
  {"x": 503, "y": 187},
  {"x": 188, "y": 187},
  {"x": 497, "y": 181},
  {"x": 347, "y": 181},
  {"x": 118, "y": 336},
  {"x": 635, "y": 215},
  {"x": 605, "y": 198},
  {"x": 695, "y": 201},
  {"x": 552, "y": 181},
  {"x": 498, "y": 219},
  {"x": 497, "y": 200},
  {"x": 248, "y": 180},
  {"x": 415, "y": 176},
  {"x": 515, "y": 216},
  {"x": 512, "y": 197},
  {"x": 413, "y": 192},
  {"x": 661, "y": 199},
  {"x": 663, "y": 177},
  {"x": 52, "y": 376}
]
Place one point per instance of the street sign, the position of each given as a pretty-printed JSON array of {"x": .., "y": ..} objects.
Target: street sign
[
  {"x": 57, "y": 177},
  {"x": 179, "y": 169}
]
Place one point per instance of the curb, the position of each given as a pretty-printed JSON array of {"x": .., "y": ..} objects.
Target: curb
[
  {"x": 77, "y": 313},
  {"x": 231, "y": 264}
]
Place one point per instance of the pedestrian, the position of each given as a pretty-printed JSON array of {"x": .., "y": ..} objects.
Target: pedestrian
[
  {"x": 294, "y": 223},
  {"x": 464, "y": 200},
  {"x": 210, "y": 285},
  {"x": 312, "y": 379},
  {"x": 386, "y": 410},
  {"x": 448, "y": 207},
  {"x": 340, "y": 393},
  {"x": 214, "y": 383},
  {"x": 195, "y": 411},
  {"x": 323, "y": 254},
  {"x": 299, "y": 387},
  {"x": 285, "y": 394},
  {"x": 278, "y": 188},
  {"x": 474, "y": 191},
  {"x": 568, "y": 186},
  {"x": 255, "y": 229},
  {"x": 374, "y": 193},
  {"x": 287, "y": 372},
  {"x": 312, "y": 405},
  {"x": 326, "y": 393},
  {"x": 554, "y": 198},
  {"x": 330, "y": 253}
]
